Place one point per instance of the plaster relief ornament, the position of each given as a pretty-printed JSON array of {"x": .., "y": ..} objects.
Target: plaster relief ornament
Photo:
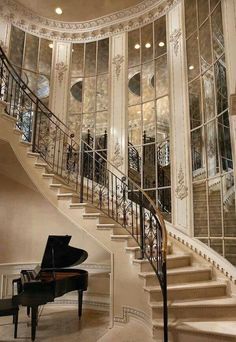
[
  {"x": 181, "y": 190},
  {"x": 117, "y": 61},
  {"x": 174, "y": 39},
  {"x": 117, "y": 159},
  {"x": 61, "y": 68}
]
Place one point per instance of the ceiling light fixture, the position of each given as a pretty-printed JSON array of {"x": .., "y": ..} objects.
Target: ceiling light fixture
[
  {"x": 161, "y": 44},
  {"x": 51, "y": 45},
  {"x": 137, "y": 46},
  {"x": 148, "y": 45},
  {"x": 191, "y": 67},
  {"x": 58, "y": 11}
]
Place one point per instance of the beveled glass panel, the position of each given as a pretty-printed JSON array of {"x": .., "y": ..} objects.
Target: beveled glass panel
[
  {"x": 16, "y": 46},
  {"x": 89, "y": 98},
  {"x": 31, "y": 52},
  {"x": 102, "y": 92},
  {"x": 164, "y": 202},
  {"x": 217, "y": 32},
  {"x": 192, "y": 56},
  {"x": 195, "y": 103},
  {"x": 149, "y": 122},
  {"x": 214, "y": 207},
  {"x": 213, "y": 3},
  {"x": 134, "y": 124},
  {"x": 45, "y": 57},
  {"x": 205, "y": 46},
  {"x": 200, "y": 209},
  {"x": 134, "y": 86},
  {"x": 229, "y": 212},
  {"x": 197, "y": 149},
  {"x": 203, "y": 10},
  {"x": 76, "y": 94},
  {"x": 160, "y": 36},
  {"x": 211, "y": 149},
  {"x": 230, "y": 251},
  {"x": 221, "y": 85},
  {"x": 103, "y": 55},
  {"x": 149, "y": 166},
  {"x": 225, "y": 150},
  {"x": 43, "y": 87},
  {"x": 90, "y": 59},
  {"x": 217, "y": 245},
  {"x": 163, "y": 164},
  {"x": 101, "y": 130},
  {"x": 74, "y": 124},
  {"x": 147, "y": 43},
  {"x": 77, "y": 65},
  {"x": 147, "y": 86},
  {"x": 134, "y": 46},
  {"x": 208, "y": 93},
  {"x": 162, "y": 112},
  {"x": 190, "y": 16},
  {"x": 161, "y": 78}
]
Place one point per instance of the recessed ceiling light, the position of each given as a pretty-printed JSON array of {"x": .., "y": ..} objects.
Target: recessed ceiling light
[
  {"x": 191, "y": 67},
  {"x": 58, "y": 11},
  {"x": 51, "y": 45},
  {"x": 137, "y": 46},
  {"x": 147, "y": 45},
  {"x": 161, "y": 44}
]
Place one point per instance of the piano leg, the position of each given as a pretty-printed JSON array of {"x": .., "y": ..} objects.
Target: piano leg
[
  {"x": 80, "y": 302},
  {"x": 34, "y": 315}
]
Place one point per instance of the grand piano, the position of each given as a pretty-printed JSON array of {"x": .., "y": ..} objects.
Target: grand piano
[{"x": 51, "y": 280}]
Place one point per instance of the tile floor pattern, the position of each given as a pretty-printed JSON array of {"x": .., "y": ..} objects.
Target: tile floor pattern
[{"x": 60, "y": 324}]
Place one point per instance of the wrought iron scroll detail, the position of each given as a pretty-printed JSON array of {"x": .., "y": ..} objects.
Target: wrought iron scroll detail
[{"x": 181, "y": 190}]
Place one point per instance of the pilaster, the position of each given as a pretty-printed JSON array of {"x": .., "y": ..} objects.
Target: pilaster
[
  {"x": 5, "y": 28},
  {"x": 180, "y": 141}
]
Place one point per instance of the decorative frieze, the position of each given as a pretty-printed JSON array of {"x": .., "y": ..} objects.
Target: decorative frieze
[
  {"x": 174, "y": 39},
  {"x": 181, "y": 190}
]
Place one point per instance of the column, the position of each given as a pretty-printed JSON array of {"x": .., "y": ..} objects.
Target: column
[{"x": 179, "y": 136}]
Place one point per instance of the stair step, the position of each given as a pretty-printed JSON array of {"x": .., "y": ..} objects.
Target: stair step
[
  {"x": 67, "y": 195},
  {"x": 78, "y": 205},
  {"x": 8, "y": 117},
  {"x": 17, "y": 131},
  {"x": 33, "y": 154},
  {"x": 41, "y": 165},
  {"x": 60, "y": 187},
  {"x": 26, "y": 144}
]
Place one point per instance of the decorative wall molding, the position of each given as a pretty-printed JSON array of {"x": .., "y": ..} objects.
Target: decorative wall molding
[
  {"x": 128, "y": 312},
  {"x": 181, "y": 190},
  {"x": 174, "y": 39},
  {"x": 121, "y": 21},
  {"x": 117, "y": 159},
  {"x": 61, "y": 68},
  {"x": 117, "y": 61}
]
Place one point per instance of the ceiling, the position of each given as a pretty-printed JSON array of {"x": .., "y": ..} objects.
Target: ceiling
[{"x": 77, "y": 10}]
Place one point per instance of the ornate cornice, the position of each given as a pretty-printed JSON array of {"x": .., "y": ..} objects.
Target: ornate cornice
[{"x": 103, "y": 27}]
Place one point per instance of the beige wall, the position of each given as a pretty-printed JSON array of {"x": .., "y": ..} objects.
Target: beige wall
[{"x": 26, "y": 218}]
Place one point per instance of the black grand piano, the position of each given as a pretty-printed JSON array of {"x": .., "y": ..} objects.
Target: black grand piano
[{"x": 51, "y": 280}]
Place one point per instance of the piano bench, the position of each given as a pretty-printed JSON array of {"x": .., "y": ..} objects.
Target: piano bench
[{"x": 9, "y": 308}]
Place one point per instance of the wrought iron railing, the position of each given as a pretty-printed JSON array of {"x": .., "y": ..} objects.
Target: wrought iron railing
[{"x": 87, "y": 172}]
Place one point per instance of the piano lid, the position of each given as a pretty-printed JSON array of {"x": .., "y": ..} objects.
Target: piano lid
[{"x": 59, "y": 254}]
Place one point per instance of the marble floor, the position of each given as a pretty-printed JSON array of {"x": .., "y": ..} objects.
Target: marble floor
[{"x": 60, "y": 324}]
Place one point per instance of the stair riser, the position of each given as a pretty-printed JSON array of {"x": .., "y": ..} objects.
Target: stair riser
[
  {"x": 181, "y": 278},
  {"x": 179, "y": 262}
]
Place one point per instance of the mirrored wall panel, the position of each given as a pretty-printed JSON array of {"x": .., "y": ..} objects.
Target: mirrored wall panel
[
  {"x": 212, "y": 165},
  {"x": 148, "y": 113}
]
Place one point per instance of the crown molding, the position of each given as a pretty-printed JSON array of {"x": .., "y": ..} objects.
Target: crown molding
[{"x": 102, "y": 27}]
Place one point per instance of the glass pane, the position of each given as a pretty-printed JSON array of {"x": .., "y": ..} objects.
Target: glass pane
[
  {"x": 213, "y": 3},
  {"x": 102, "y": 92},
  {"x": 211, "y": 149},
  {"x": 205, "y": 46},
  {"x": 149, "y": 122},
  {"x": 76, "y": 93},
  {"x": 203, "y": 10},
  {"x": 192, "y": 56},
  {"x": 16, "y": 46},
  {"x": 90, "y": 59},
  {"x": 134, "y": 86},
  {"x": 200, "y": 209},
  {"x": 230, "y": 251},
  {"x": 229, "y": 210},
  {"x": 149, "y": 166},
  {"x": 162, "y": 112},
  {"x": 74, "y": 124},
  {"x": 45, "y": 57},
  {"x": 77, "y": 64},
  {"x": 30, "y": 79},
  {"x": 225, "y": 142},
  {"x": 221, "y": 85},
  {"x": 134, "y": 117},
  {"x": 217, "y": 32},
  {"x": 163, "y": 164},
  {"x": 103, "y": 55},
  {"x": 195, "y": 103},
  {"x": 134, "y": 48},
  {"x": 217, "y": 245},
  {"x": 147, "y": 86},
  {"x": 208, "y": 93},
  {"x": 31, "y": 52},
  {"x": 89, "y": 94},
  {"x": 190, "y": 16},
  {"x": 198, "y": 164},
  {"x": 101, "y": 130},
  {"x": 135, "y": 161},
  {"x": 214, "y": 205},
  {"x": 161, "y": 78},
  {"x": 160, "y": 36},
  {"x": 147, "y": 43},
  {"x": 88, "y": 128},
  {"x": 164, "y": 203}
]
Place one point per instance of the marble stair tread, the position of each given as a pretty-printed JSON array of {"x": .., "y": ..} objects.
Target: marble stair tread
[
  {"x": 185, "y": 303},
  {"x": 186, "y": 286},
  {"x": 169, "y": 257},
  {"x": 179, "y": 270}
]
